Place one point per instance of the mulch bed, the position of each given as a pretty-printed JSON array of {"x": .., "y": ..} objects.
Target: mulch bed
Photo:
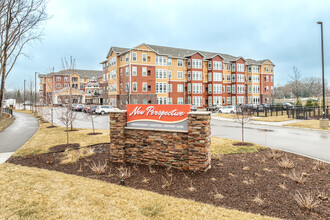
[
  {"x": 243, "y": 144},
  {"x": 63, "y": 147},
  {"x": 52, "y": 126},
  {"x": 237, "y": 177}
]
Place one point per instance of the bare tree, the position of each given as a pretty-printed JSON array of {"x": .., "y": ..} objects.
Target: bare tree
[
  {"x": 19, "y": 25},
  {"x": 296, "y": 83},
  {"x": 91, "y": 118},
  {"x": 243, "y": 116}
]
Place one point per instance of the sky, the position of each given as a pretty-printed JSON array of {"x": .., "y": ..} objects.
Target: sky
[{"x": 285, "y": 32}]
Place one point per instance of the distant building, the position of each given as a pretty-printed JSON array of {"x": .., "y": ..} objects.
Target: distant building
[
  {"x": 56, "y": 86},
  {"x": 166, "y": 75}
]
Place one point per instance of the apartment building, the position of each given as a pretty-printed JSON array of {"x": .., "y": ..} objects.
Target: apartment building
[
  {"x": 86, "y": 88},
  {"x": 148, "y": 74}
]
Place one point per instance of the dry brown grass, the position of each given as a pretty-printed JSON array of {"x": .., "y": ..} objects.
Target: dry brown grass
[
  {"x": 218, "y": 195},
  {"x": 225, "y": 146},
  {"x": 283, "y": 186},
  {"x": 319, "y": 165},
  {"x": 98, "y": 168},
  {"x": 306, "y": 201},
  {"x": 46, "y": 138},
  {"x": 191, "y": 187},
  {"x": 285, "y": 163},
  {"x": 5, "y": 122},
  {"x": 258, "y": 199},
  {"x": 314, "y": 124},
  {"x": 298, "y": 178},
  {"x": 223, "y": 115},
  {"x": 166, "y": 183},
  {"x": 73, "y": 156},
  {"x": 274, "y": 154},
  {"x": 64, "y": 196},
  {"x": 273, "y": 118},
  {"x": 248, "y": 181},
  {"x": 124, "y": 172}
]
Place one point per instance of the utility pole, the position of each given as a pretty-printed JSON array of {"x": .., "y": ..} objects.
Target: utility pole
[{"x": 24, "y": 95}]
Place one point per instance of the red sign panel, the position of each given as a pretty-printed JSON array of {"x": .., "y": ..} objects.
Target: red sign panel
[{"x": 167, "y": 117}]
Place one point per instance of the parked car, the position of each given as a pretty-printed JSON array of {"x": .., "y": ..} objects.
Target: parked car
[
  {"x": 228, "y": 109},
  {"x": 286, "y": 105},
  {"x": 74, "y": 106},
  {"x": 91, "y": 109},
  {"x": 193, "y": 108},
  {"x": 85, "y": 108},
  {"x": 213, "y": 108},
  {"x": 79, "y": 108},
  {"x": 105, "y": 109}
]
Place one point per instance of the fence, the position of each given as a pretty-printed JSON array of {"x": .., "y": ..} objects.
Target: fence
[
  {"x": 297, "y": 112},
  {"x": 8, "y": 111}
]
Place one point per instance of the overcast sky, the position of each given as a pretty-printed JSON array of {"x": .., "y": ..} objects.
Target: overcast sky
[{"x": 285, "y": 32}]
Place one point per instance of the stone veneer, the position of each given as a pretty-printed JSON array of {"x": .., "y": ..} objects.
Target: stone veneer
[{"x": 177, "y": 149}]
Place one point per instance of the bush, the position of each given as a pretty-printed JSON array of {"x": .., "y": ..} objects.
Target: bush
[
  {"x": 299, "y": 103},
  {"x": 309, "y": 103},
  {"x": 278, "y": 107}
]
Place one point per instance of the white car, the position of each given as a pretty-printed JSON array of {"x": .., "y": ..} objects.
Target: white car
[
  {"x": 105, "y": 109},
  {"x": 228, "y": 109}
]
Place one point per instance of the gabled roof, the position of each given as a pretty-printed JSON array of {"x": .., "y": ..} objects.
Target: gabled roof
[
  {"x": 117, "y": 50},
  {"x": 82, "y": 73}
]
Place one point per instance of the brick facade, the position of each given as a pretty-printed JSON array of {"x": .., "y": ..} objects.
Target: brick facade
[{"x": 181, "y": 150}]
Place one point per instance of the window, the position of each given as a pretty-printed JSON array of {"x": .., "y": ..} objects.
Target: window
[
  {"x": 121, "y": 72},
  {"x": 228, "y": 66},
  {"x": 197, "y": 88},
  {"x": 145, "y": 101},
  {"x": 160, "y": 74},
  {"x": 169, "y": 61},
  {"x": 240, "y": 77},
  {"x": 271, "y": 78},
  {"x": 189, "y": 75},
  {"x": 217, "y": 77},
  {"x": 256, "y": 100},
  {"x": 217, "y": 88},
  {"x": 180, "y": 75},
  {"x": 240, "y": 89},
  {"x": 228, "y": 77},
  {"x": 58, "y": 85},
  {"x": 209, "y": 77},
  {"x": 180, "y": 88},
  {"x": 271, "y": 69},
  {"x": 127, "y": 87},
  {"x": 240, "y": 100},
  {"x": 256, "y": 89},
  {"x": 217, "y": 65},
  {"x": 271, "y": 88},
  {"x": 233, "y": 67},
  {"x": 161, "y": 87},
  {"x": 197, "y": 75},
  {"x": 249, "y": 69},
  {"x": 161, "y": 100},
  {"x": 58, "y": 79},
  {"x": 228, "y": 100},
  {"x": 170, "y": 101},
  {"x": 209, "y": 88},
  {"x": 189, "y": 63},
  {"x": 180, "y": 101},
  {"x": 180, "y": 63},
  {"x": 209, "y": 64},
  {"x": 144, "y": 87},
  {"x": 127, "y": 57},
  {"x": 169, "y": 87},
  {"x": 233, "y": 90},
  {"x": 267, "y": 69},
  {"x": 134, "y": 71},
  {"x": 240, "y": 67},
  {"x": 256, "y": 79},
  {"x": 228, "y": 89},
  {"x": 267, "y": 88},
  {"x": 250, "y": 79},
  {"x": 197, "y": 64},
  {"x": 189, "y": 88},
  {"x": 233, "y": 78},
  {"x": 134, "y": 57},
  {"x": 160, "y": 60},
  {"x": 217, "y": 100},
  {"x": 255, "y": 69},
  {"x": 144, "y": 71},
  {"x": 250, "y": 89},
  {"x": 144, "y": 57},
  {"x": 121, "y": 58},
  {"x": 66, "y": 79},
  {"x": 197, "y": 100},
  {"x": 67, "y": 85},
  {"x": 127, "y": 71}
]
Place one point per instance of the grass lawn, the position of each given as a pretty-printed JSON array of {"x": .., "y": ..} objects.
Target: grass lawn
[
  {"x": 46, "y": 138},
  {"x": 5, "y": 122},
  {"x": 315, "y": 124},
  {"x": 31, "y": 193},
  {"x": 225, "y": 146},
  {"x": 223, "y": 115},
  {"x": 273, "y": 118}
]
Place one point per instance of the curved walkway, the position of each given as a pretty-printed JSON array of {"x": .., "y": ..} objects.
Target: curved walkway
[{"x": 17, "y": 134}]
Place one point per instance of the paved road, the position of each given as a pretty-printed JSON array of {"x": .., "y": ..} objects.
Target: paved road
[
  {"x": 314, "y": 144},
  {"x": 17, "y": 134}
]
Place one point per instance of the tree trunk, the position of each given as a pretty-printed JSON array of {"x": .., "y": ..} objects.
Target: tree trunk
[
  {"x": 93, "y": 124},
  {"x": 3, "y": 78},
  {"x": 242, "y": 129}
]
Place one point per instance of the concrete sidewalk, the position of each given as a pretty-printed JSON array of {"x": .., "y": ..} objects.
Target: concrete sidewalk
[{"x": 17, "y": 134}]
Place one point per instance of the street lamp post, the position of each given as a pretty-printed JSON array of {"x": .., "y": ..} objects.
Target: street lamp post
[
  {"x": 35, "y": 93},
  {"x": 24, "y": 95},
  {"x": 320, "y": 22}
]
